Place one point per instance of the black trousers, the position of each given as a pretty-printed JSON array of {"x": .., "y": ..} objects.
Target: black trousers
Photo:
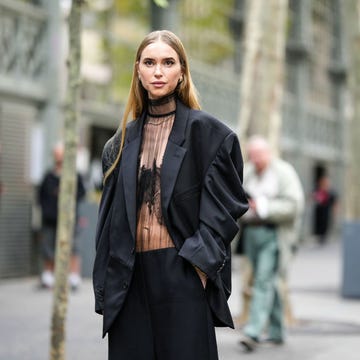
[{"x": 165, "y": 315}]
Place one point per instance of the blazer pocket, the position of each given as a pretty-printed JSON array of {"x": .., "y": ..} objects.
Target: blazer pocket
[
  {"x": 186, "y": 210},
  {"x": 188, "y": 194}
]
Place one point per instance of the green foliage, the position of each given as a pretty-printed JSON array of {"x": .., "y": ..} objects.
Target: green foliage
[
  {"x": 203, "y": 27},
  {"x": 123, "y": 26},
  {"x": 131, "y": 8},
  {"x": 161, "y": 3},
  {"x": 123, "y": 59}
]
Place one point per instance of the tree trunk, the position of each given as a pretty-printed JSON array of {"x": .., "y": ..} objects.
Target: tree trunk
[
  {"x": 253, "y": 33},
  {"x": 262, "y": 80},
  {"x": 261, "y": 90},
  {"x": 67, "y": 196},
  {"x": 352, "y": 195}
]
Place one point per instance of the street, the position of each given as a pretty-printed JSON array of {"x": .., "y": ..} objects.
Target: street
[{"x": 327, "y": 326}]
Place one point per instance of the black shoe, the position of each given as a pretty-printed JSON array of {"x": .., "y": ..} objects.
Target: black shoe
[{"x": 248, "y": 343}]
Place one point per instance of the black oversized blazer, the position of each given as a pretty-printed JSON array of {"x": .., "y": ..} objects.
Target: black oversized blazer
[{"x": 201, "y": 198}]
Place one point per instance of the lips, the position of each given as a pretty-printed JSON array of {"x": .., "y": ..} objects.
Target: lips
[{"x": 158, "y": 83}]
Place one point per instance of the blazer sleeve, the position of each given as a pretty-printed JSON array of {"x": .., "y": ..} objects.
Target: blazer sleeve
[
  {"x": 104, "y": 201},
  {"x": 222, "y": 202},
  {"x": 107, "y": 159},
  {"x": 102, "y": 236}
]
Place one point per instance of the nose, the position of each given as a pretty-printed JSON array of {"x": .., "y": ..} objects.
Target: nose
[{"x": 158, "y": 71}]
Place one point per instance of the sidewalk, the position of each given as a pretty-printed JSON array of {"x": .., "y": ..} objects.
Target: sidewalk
[{"x": 327, "y": 327}]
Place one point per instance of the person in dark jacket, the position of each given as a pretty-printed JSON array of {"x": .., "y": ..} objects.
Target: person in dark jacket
[
  {"x": 171, "y": 199},
  {"x": 48, "y": 200},
  {"x": 324, "y": 208}
]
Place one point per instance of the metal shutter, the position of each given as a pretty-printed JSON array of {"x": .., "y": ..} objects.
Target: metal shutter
[{"x": 15, "y": 203}]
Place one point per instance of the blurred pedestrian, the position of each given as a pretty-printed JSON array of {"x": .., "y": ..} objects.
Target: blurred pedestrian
[
  {"x": 270, "y": 231},
  {"x": 325, "y": 205},
  {"x": 48, "y": 200},
  {"x": 172, "y": 195}
]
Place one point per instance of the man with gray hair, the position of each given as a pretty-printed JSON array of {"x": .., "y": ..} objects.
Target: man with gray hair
[{"x": 271, "y": 228}]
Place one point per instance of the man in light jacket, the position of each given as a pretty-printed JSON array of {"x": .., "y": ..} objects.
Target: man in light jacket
[{"x": 271, "y": 229}]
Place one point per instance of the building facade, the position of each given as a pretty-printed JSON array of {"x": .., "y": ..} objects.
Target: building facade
[{"x": 33, "y": 82}]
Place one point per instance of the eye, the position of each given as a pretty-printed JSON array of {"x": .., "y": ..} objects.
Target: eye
[
  {"x": 148, "y": 62},
  {"x": 169, "y": 62}
]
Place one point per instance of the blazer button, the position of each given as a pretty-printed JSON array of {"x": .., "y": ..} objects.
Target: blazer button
[{"x": 125, "y": 285}]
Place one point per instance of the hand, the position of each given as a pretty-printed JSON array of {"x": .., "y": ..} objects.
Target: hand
[
  {"x": 202, "y": 276},
  {"x": 252, "y": 204}
]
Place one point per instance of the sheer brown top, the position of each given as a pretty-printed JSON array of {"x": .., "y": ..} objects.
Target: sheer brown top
[{"x": 151, "y": 232}]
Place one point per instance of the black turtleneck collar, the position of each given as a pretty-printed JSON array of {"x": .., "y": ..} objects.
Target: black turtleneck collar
[{"x": 162, "y": 107}]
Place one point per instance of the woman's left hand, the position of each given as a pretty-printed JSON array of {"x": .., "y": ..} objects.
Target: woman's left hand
[{"x": 202, "y": 276}]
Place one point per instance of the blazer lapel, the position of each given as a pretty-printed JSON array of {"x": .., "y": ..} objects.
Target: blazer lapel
[
  {"x": 129, "y": 165},
  {"x": 174, "y": 154}
]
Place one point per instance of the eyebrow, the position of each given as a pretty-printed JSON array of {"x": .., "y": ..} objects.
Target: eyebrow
[{"x": 167, "y": 58}]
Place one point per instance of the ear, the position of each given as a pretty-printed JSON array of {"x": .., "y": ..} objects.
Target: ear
[{"x": 137, "y": 70}]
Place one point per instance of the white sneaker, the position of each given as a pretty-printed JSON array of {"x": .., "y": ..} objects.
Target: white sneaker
[{"x": 47, "y": 279}]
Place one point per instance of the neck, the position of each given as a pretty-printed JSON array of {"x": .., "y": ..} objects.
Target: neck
[
  {"x": 57, "y": 170},
  {"x": 162, "y": 106}
]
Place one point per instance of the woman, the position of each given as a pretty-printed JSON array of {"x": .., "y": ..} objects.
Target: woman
[{"x": 172, "y": 195}]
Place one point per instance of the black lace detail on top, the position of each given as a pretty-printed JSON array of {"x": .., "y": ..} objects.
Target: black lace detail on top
[{"x": 149, "y": 190}]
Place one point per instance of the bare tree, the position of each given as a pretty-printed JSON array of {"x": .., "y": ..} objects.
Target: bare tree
[
  {"x": 262, "y": 77},
  {"x": 253, "y": 31},
  {"x": 66, "y": 220},
  {"x": 261, "y": 93}
]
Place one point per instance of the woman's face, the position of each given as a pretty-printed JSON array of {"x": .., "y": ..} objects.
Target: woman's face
[{"x": 159, "y": 69}]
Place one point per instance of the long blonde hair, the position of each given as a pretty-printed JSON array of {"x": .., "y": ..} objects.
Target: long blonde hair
[{"x": 138, "y": 96}]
